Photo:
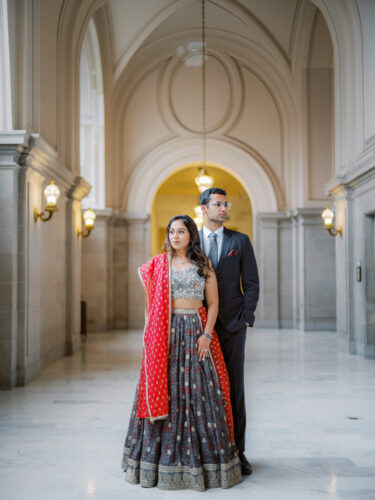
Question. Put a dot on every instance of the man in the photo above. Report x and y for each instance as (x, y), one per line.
(233, 258)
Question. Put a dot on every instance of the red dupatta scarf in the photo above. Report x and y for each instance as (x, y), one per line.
(153, 385)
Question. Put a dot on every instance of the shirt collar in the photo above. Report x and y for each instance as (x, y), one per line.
(207, 232)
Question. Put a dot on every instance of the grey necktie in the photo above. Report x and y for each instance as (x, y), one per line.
(213, 253)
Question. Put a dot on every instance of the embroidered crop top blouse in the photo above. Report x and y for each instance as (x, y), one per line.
(187, 284)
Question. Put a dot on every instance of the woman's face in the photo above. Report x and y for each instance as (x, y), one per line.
(179, 236)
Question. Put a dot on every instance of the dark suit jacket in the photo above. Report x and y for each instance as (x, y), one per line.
(236, 308)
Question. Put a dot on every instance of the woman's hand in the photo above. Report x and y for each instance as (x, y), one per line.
(203, 347)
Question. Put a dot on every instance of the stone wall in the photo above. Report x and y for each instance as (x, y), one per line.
(296, 260)
(355, 213)
(40, 261)
(111, 256)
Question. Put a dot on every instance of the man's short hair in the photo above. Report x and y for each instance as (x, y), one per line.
(205, 196)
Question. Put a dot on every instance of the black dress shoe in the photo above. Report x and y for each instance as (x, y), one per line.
(245, 465)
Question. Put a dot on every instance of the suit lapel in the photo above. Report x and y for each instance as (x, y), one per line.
(227, 238)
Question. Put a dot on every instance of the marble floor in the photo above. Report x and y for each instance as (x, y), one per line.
(311, 423)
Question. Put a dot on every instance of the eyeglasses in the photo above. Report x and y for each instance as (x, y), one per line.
(218, 204)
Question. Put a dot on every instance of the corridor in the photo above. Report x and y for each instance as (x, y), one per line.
(310, 411)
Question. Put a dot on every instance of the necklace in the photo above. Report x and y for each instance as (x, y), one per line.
(181, 262)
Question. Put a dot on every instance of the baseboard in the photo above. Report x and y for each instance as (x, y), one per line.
(266, 323)
(8, 380)
(319, 325)
(369, 351)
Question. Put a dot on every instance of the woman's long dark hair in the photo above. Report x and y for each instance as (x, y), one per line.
(194, 252)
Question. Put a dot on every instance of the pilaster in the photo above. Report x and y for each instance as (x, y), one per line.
(40, 262)
(355, 213)
(296, 263)
(315, 272)
(9, 276)
(5, 85)
(79, 190)
(138, 253)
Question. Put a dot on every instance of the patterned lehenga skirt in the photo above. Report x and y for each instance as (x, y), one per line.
(191, 448)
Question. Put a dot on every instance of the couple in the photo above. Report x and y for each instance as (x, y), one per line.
(187, 427)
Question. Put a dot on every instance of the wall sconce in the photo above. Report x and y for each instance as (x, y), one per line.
(328, 216)
(51, 194)
(89, 217)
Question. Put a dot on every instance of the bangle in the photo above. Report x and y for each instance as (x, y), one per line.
(207, 335)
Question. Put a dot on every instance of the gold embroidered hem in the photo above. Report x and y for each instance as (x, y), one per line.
(192, 448)
(179, 477)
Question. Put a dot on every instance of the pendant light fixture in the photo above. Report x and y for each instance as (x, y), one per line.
(203, 180)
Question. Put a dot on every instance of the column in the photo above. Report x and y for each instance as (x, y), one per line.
(105, 272)
(267, 254)
(5, 87)
(80, 189)
(138, 254)
(296, 261)
(355, 214)
(316, 272)
(120, 272)
(9, 198)
(97, 272)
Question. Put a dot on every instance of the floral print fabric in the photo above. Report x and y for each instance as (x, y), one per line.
(153, 385)
(187, 283)
(192, 447)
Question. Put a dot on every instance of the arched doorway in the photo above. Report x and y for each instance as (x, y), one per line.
(170, 159)
(179, 194)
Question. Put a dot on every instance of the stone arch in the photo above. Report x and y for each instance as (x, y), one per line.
(253, 173)
(343, 21)
(344, 24)
(73, 21)
(92, 164)
(276, 79)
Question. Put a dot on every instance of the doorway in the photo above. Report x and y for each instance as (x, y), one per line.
(178, 194)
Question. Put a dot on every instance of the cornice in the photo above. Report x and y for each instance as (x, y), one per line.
(306, 212)
(133, 217)
(273, 216)
(41, 157)
(276, 220)
(12, 137)
(11, 147)
(80, 189)
(356, 178)
(113, 217)
(30, 151)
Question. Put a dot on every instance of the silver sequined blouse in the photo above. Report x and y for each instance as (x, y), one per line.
(187, 284)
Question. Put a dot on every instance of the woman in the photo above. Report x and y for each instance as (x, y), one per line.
(181, 428)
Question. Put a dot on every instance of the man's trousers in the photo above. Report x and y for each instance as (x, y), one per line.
(233, 347)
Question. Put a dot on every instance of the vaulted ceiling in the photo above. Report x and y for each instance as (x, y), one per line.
(144, 22)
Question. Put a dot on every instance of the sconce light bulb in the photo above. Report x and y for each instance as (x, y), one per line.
(51, 194)
(89, 217)
(328, 216)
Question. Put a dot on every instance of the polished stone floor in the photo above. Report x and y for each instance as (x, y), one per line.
(311, 423)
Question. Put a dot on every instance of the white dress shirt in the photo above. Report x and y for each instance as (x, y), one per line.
(207, 240)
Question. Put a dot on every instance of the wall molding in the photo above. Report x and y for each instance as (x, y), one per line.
(175, 154)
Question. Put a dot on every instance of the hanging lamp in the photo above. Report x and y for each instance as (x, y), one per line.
(203, 180)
